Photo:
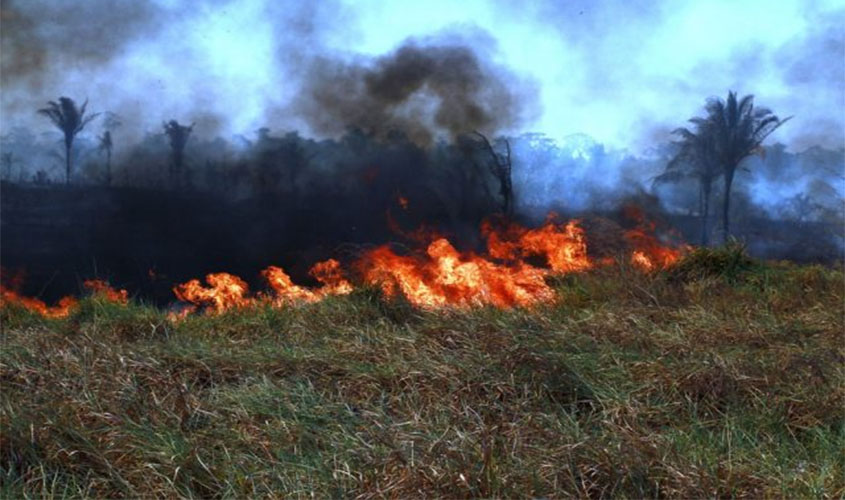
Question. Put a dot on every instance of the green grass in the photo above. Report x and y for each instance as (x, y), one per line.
(705, 382)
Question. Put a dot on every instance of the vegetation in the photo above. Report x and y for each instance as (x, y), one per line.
(694, 161)
(70, 119)
(724, 379)
(178, 136)
(732, 131)
(106, 146)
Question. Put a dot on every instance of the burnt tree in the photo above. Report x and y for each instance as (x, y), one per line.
(501, 168)
(178, 136)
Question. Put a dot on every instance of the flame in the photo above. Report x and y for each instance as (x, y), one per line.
(445, 277)
(225, 291)
(60, 310)
(642, 261)
(403, 202)
(65, 305)
(649, 253)
(286, 291)
(102, 288)
(564, 247)
(330, 274)
(511, 271)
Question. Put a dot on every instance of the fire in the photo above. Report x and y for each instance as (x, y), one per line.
(102, 288)
(564, 247)
(330, 275)
(642, 261)
(510, 271)
(286, 292)
(65, 305)
(225, 291)
(649, 253)
(60, 310)
(403, 202)
(445, 277)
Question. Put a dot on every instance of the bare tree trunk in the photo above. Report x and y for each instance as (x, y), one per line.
(67, 161)
(108, 167)
(705, 213)
(176, 170)
(729, 178)
(501, 168)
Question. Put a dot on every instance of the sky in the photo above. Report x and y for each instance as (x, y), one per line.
(621, 71)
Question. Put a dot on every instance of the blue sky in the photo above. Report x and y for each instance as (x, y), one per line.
(623, 72)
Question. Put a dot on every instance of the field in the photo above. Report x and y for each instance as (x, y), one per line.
(720, 377)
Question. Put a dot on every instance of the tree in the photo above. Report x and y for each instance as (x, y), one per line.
(501, 167)
(106, 145)
(8, 159)
(695, 160)
(111, 121)
(178, 136)
(70, 119)
(732, 131)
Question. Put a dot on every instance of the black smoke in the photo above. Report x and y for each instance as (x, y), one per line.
(424, 89)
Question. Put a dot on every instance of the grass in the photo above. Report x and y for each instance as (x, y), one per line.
(692, 383)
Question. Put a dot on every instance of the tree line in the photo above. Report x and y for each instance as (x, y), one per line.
(713, 148)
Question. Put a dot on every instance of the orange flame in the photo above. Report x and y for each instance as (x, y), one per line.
(649, 253)
(330, 275)
(225, 291)
(445, 277)
(102, 288)
(507, 274)
(60, 310)
(65, 305)
(564, 248)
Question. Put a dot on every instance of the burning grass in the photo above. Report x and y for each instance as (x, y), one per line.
(511, 271)
(625, 383)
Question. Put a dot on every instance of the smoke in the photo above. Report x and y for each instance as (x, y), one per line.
(47, 46)
(220, 63)
(622, 72)
(41, 39)
(235, 66)
(423, 89)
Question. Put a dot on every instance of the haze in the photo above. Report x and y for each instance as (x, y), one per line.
(625, 73)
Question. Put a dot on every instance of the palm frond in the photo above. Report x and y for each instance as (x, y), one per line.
(746, 105)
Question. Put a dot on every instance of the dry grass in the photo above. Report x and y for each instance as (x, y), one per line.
(692, 384)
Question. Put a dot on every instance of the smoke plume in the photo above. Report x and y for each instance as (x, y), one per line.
(423, 90)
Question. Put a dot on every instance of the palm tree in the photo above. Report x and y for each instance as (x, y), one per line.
(734, 131)
(111, 122)
(70, 119)
(695, 160)
(178, 135)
